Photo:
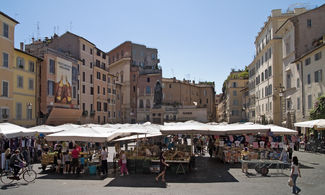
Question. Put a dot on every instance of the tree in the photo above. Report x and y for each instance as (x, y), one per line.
(318, 112)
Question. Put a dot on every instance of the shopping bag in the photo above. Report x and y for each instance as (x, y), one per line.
(290, 182)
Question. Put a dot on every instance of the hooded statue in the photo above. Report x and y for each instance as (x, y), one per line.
(158, 95)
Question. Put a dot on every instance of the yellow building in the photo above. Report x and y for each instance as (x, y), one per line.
(7, 31)
(25, 88)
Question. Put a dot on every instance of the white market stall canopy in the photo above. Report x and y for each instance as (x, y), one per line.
(317, 124)
(134, 137)
(277, 130)
(237, 129)
(8, 130)
(46, 129)
(85, 134)
(188, 127)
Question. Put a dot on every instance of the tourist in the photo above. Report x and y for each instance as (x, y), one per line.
(295, 172)
(123, 163)
(59, 161)
(163, 166)
(290, 152)
(75, 159)
(82, 163)
(245, 156)
(103, 157)
(67, 160)
(7, 157)
(284, 156)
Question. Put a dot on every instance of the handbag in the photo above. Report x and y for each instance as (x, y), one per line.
(290, 182)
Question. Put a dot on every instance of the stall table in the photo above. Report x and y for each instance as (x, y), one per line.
(180, 164)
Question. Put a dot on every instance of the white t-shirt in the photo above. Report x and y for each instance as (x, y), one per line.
(295, 167)
(123, 159)
(104, 155)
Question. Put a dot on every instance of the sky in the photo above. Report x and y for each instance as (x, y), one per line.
(199, 40)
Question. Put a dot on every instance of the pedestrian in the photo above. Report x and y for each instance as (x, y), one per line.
(7, 157)
(124, 169)
(295, 172)
(59, 161)
(163, 166)
(244, 157)
(103, 157)
(289, 152)
(75, 159)
(15, 163)
(82, 163)
(67, 160)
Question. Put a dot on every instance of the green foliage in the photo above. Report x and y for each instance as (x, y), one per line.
(318, 112)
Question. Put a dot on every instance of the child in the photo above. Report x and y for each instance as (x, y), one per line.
(82, 163)
(67, 160)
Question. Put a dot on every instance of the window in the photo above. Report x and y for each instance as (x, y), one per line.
(98, 90)
(91, 107)
(20, 62)
(109, 114)
(74, 92)
(83, 76)
(298, 83)
(148, 90)
(104, 77)
(29, 113)
(148, 80)
(104, 119)
(308, 79)
(50, 88)
(307, 61)
(318, 56)
(98, 119)
(234, 93)
(91, 51)
(318, 76)
(83, 62)
(74, 74)
(234, 84)
(5, 89)
(114, 91)
(105, 107)
(109, 100)
(91, 91)
(98, 52)
(141, 104)
(108, 79)
(83, 89)
(170, 85)
(91, 78)
(148, 103)
(108, 90)
(235, 102)
(52, 66)
(298, 103)
(83, 106)
(153, 56)
(5, 58)
(31, 84)
(20, 82)
(5, 32)
(266, 74)
(289, 104)
(122, 53)
(83, 47)
(99, 106)
(91, 65)
(104, 92)
(309, 23)
(262, 76)
(4, 113)
(98, 75)
(288, 81)
(309, 101)
(133, 88)
(18, 111)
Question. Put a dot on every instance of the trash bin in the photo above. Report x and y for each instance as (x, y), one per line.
(92, 169)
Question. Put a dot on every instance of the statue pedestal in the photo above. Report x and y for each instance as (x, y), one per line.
(157, 114)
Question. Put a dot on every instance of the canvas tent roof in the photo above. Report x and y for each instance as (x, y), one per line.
(46, 129)
(9, 130)
(319, 123)
(277, 130)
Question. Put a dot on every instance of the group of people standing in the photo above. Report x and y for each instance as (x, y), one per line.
(67, 161)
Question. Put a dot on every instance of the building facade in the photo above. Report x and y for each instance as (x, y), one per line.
(25, 91)
(7, 32)
(301, 36)
(235, 85)
(266, 71)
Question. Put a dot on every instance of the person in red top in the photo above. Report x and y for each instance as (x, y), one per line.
(75, 159)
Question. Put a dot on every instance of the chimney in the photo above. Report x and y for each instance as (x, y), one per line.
(276, 12)
(300, 10)
(22, 46)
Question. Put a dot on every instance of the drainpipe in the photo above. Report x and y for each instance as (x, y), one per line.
(302, 89)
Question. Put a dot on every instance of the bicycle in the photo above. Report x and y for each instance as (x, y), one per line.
(26, 172)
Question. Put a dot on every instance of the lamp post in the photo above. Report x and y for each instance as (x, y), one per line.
(281, 94)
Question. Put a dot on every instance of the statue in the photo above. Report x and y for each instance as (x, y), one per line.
(158, 95)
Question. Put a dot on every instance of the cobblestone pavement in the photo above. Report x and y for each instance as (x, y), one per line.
(209, 177)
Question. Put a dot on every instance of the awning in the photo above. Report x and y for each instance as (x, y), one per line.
(277, 130)
(317, 124)
(60, 116)
(8, 130)
(45, 129)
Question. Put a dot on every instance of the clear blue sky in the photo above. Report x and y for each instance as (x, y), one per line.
(196, 39)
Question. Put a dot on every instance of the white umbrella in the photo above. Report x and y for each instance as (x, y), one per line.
(9, 130)
(277, 130)
(312, 123)
(237, 129)
(45, 129)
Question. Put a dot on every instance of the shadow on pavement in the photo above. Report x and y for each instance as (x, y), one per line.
(72, 177)
(206, 170)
